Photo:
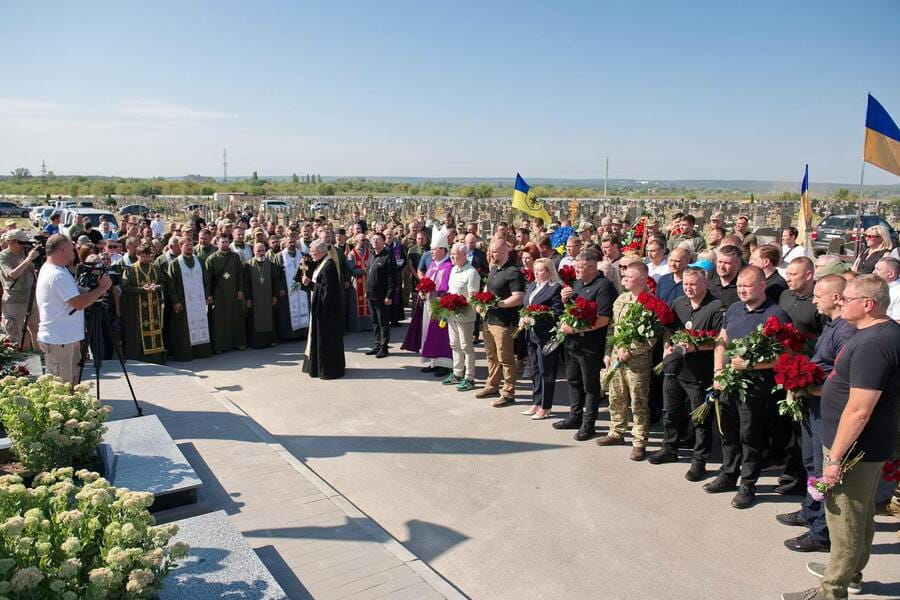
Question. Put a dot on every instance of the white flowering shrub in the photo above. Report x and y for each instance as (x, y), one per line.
(80, 538)
(51, 424)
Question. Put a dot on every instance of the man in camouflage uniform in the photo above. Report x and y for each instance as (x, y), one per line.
(630, 384)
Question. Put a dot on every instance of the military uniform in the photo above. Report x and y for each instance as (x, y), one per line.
(630, 384)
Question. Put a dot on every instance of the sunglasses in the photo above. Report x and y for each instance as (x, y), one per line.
(848, 300)
(870, 236)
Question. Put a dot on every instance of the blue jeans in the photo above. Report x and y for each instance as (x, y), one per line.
(812, 511)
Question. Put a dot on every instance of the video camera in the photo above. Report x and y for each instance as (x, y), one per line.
(39, 243)
(88, 274)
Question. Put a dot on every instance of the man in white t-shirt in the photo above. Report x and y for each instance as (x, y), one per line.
(61, 306)
(888, 268)
(790, 249)
(157, 226)
(657, 259)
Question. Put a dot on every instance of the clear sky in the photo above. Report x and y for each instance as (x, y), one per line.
(668, 90)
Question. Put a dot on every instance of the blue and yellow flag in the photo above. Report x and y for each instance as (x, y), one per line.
(526, 202)
(803, 219)
(882, 147)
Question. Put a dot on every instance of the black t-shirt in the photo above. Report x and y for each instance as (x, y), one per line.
(726, 293)
(870, 360)
(775, 285)
(803, 313)
(502, 282)
(698, 365)
(603, 292)
(94, 235)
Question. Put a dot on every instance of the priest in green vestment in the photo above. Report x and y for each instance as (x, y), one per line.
(226, 283)
(142, 309)
(188, 295)
(261, 282)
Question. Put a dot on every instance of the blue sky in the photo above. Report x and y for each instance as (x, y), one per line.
(668, 90)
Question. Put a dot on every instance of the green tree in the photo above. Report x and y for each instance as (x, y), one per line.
(207, 191)
(20, 173)
(254, 178)
(789, 197)
(295, 179)
(842, 194)
(326, 189)
(73, 190)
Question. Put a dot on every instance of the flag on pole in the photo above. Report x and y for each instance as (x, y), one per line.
(803, 219)
(526, 202)
(882, 146)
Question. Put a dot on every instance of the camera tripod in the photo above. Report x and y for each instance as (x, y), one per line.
(97, 325)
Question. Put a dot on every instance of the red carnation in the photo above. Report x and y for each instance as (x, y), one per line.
(425, 286)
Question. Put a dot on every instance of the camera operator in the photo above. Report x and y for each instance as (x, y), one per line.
(61, 305)
(17, 276)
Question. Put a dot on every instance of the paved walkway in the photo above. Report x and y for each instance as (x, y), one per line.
(508, 508)
(315, 542)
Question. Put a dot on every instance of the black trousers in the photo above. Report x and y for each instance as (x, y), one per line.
(583, 375)
(744, 426)
(679, 399)
(543, 373)
(381, 323)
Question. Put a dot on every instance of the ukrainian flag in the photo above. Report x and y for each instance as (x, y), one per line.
(803, 219)
(526, 202)
(882, 146)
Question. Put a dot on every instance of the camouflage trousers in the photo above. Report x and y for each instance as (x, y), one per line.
(630, 389)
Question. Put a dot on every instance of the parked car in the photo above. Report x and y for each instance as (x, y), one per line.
(844, 227)
(193, 207)
(71, 216)
(319, 206)
(35, 215)
(273, 205)
(11, 209)
(134, 209)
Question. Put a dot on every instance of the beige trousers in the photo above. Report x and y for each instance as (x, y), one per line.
(62, 360)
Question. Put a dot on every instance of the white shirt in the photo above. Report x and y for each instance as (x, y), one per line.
(537, 289)
(157, 227)
(566, 261)
(657, 271)
(55, 287)
(464, 281)
(789, 254)
(893, 311)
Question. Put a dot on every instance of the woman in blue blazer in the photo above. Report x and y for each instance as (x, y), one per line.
(545, 289)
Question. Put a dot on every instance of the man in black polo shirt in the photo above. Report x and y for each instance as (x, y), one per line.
(744, 422)
(785, 432)
(507, 283)
(859, 416)
(767, 258)
(585, 348)
(724, 283)
(689, 373)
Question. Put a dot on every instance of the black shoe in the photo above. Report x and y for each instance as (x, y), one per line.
(441, 372)
(373, 351)
(722, 483)
(792, 519)
(806, 543)
(662, 456)
(567, 424)
(744, 497)
(427, 369)
(696, 472)
(584, 434)
(791, 488)
(382, 353)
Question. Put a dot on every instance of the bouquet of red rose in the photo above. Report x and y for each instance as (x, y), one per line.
(643, 320)
(446, 306)
(787, 335)
(692, 338)
(528, 274)
(567, 275)
(9, 353)
(482, 301)
(797, 375)
(757, 347)
(528, 315)
(580, 314)
(425, 287)
(890, 472)
(818, 487)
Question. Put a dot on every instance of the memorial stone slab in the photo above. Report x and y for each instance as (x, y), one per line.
(220, 564)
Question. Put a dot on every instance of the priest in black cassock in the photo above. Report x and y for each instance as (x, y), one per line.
(262, 285)
(325, 343)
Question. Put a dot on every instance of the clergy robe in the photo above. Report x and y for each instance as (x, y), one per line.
(435, 339)
(261, 285)
(359, 318)
(188, 285)
(226, 279)
(292, 314)
(325, 343)
(142, 314)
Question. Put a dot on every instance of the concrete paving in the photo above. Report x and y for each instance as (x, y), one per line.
(505, 507)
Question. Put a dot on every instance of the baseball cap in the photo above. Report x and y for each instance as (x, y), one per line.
(585, 226)
(16, 234)
(703, 263)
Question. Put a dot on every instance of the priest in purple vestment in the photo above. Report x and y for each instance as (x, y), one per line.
(436, 340)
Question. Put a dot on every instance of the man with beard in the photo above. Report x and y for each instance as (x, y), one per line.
(188, 294)
(142, 310)
(325, 343)
(240, 247)
(226, 282)
(262, 284)
(293, 301)
(205, 248)
(436, 340)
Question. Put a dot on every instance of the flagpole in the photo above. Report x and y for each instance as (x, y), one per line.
(859, 208)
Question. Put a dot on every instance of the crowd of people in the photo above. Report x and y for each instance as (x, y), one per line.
(191, 289)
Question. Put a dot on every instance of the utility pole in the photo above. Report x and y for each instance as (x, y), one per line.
(224, 165)
(43, 172)
(606, 178)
